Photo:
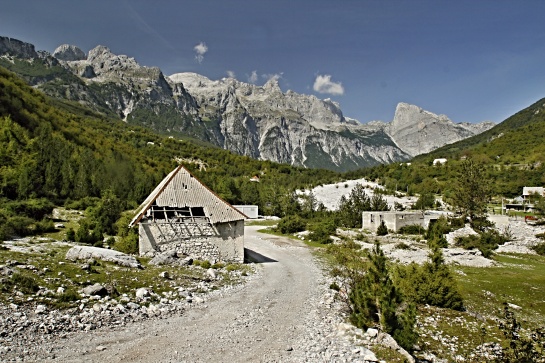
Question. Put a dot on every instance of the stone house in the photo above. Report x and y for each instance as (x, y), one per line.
(183, 215)
(394, 220)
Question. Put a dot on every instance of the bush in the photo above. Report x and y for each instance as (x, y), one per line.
(321, 232)
(412, 229)
(402, 246)
(382, 230)
(44, 226)
(23, 283)
(70, 235)
(539, 249)
(68, 296)
(520, 347)
(291, 224)
(485, 242)
(128, 244)
(432, 283)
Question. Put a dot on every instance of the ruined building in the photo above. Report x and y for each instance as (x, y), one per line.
(183, 215)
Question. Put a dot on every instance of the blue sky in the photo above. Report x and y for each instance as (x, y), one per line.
(472, 60)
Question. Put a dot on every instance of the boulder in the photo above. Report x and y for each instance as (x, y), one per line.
(96, 289)
(97, 253)
(164, 258)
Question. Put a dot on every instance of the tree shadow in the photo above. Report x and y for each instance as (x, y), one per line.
(255, 257)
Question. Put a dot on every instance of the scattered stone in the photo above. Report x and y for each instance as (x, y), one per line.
(142, 293)
(165, 275)
(211, 273)
(164, 258)
(96, 289)
(101, 348)
(40, 309)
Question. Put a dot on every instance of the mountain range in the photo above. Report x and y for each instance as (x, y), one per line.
(261, 122)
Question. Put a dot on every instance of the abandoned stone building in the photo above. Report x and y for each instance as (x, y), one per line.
(183, 215)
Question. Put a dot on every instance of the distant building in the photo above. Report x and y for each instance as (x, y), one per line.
(440, 161)
(528, 191)
(184, 216)
(395, 220)
(251, 211)
(255, 178)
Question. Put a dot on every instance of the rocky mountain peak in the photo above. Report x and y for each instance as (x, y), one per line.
(67, 52)
(17, 48)
(272, 85)
(417, 131)
(99, 52)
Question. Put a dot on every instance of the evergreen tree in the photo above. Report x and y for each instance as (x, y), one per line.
(375, 300)
(472, 190)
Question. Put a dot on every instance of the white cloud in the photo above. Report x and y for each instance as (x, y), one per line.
(201, 50)
(253, 77)
(324, 84)
(231, 74)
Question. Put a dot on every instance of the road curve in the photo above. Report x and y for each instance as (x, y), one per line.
(261, 322)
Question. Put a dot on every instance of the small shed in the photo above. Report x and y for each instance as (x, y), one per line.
(183, 215)
(251, 211)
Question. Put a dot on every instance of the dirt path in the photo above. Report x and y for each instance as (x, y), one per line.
(263, 321)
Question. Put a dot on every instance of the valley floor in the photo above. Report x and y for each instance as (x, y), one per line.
(286, 313)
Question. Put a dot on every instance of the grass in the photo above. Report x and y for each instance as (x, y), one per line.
(261, 222)
(519, 280)
(454, 335)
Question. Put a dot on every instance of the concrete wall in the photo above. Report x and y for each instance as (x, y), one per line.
(393, 220)
(221, 242)
(251, 211)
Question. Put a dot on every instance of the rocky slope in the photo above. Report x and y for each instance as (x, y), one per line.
(417, 131)
(258, 121)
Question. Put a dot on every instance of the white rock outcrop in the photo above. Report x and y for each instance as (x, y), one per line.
(87, 252)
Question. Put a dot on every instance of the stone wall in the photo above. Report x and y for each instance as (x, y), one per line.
(203, 241)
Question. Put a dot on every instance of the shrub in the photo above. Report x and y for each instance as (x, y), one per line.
(402, 246)
(432, 283)
(485, 242)
(291, 224)
(457, 223)
(382, 230)
(70, 235)
(44, 226)
(539, 249)
(68, 296)
(520, 348)
(205, 264)
(321, 232)
(25, 284)
(128, 244)
(412, 229)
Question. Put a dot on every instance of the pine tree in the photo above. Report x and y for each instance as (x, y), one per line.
(376, 301)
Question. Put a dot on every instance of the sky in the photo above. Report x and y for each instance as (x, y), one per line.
(472, 60)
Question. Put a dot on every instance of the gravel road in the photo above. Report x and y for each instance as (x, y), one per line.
(272, 318)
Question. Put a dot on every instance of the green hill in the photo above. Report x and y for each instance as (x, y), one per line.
(513, 153)
(57, 152)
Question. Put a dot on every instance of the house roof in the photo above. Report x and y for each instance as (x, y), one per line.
(181, 189)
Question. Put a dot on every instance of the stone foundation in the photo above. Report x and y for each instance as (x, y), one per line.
(199, 240)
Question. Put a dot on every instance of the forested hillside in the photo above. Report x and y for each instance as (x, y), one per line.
(54, 153)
